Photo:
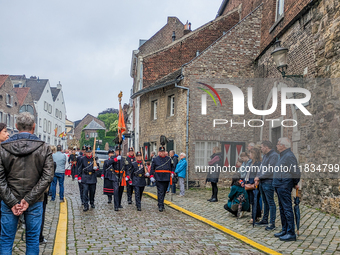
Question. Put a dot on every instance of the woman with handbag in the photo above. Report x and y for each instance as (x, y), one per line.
(255, 156)
(238, 195)
(216, 160)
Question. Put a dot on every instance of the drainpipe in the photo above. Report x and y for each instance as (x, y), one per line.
(187, 130)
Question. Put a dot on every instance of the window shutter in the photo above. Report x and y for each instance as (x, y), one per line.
(6, 98)
(11, 100)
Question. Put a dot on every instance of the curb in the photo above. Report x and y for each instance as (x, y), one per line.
(217, 226)
(61, 234)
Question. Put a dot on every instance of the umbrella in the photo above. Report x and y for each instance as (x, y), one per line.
(256, 193)
(297, 210)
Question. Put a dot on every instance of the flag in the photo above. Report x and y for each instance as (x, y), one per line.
(61, 134)
(121, 123)
(55, 131)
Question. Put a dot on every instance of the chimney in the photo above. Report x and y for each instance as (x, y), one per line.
(59, 85)
(197, 53)
(173, 36)
(187, 28)
(33, 77)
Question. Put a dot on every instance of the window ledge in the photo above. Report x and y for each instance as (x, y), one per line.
(276, 23)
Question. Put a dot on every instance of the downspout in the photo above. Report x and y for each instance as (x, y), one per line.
(187, 129)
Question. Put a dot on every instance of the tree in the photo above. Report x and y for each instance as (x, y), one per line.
(114, 127)
(108, 118)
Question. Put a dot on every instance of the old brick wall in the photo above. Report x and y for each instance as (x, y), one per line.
(172, 57)
(229, 58)
(313, 43)
(173, 127)
(163, 37)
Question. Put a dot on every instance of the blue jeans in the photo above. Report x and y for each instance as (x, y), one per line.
(58, 177)
(286, 210)
(9, 223)
(267, 194)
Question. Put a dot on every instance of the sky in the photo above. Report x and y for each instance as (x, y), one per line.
(86, 45)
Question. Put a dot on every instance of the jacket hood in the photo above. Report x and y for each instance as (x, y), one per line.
(22, 144)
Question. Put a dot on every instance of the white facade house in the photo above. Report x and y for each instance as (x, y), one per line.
(51, 111)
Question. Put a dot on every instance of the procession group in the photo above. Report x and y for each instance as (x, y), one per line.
(121, 171)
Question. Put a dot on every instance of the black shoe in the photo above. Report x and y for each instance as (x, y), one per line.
(288, 237)
(116, 209)
(93, 206)
(109, 202)
(52, 200)
(85, 209)
(139, 209)
(62, 200)
(270, 227)
(129, 202)
(160, 209)
(261, 223)
(282, 233)
(209, 199)
(120, 206)
(214, 200)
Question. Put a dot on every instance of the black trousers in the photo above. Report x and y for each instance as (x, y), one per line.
(214, 190)
(162, 186)
(138, 195)
(117, 194)
(89, 191)
(129, 191)
(41, 237)
(81, 192)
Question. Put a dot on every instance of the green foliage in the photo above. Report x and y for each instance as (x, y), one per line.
(114, 127)
(108, 119)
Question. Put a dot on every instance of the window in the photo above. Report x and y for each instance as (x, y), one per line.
(45, 126)
(44, 138)
(40, 122)
(9, 120)
(154, 110)
(279, 9)
(26, 108)
(49, 108)
(0, 116)
(203, 151)
(153, 147)
(49, 140)
(40, 136)
(93, 134)
(55, 142)
(45, 106)
(49, 127)
(171, 105)
(56, 113)
(9, 100)
(60, 115)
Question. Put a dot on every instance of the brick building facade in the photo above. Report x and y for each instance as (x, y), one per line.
(239, 53)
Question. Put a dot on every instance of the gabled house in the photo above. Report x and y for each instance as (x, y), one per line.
(9, 106)
(51, 111)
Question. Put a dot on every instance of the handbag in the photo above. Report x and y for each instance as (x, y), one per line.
(249, 186)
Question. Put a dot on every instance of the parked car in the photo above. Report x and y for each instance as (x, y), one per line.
(102, 156)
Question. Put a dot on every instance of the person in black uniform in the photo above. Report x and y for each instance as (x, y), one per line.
(162, 172)
(118, 178)
(108, 178)
(130, 159)
(87, 176)
(138, 181)
(73, 161)
(81, 154)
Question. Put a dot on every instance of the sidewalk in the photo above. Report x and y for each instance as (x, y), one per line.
(319, 232)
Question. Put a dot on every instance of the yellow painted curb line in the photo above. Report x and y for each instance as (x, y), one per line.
(61, 234)
(219, 227)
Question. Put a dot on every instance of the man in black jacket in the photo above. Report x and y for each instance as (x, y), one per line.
(26, 171)
(265, 179)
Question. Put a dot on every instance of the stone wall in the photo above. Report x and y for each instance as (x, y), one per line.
(173, 127)
(313, 43)
(229, 58)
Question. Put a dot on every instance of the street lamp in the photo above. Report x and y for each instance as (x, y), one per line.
(280, 58)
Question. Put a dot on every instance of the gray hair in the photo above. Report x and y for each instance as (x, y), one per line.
(25, 121)
(251, 144)
(285, 142)
(183, 154)
(153, 152)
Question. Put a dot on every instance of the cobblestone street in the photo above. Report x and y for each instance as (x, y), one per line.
(104, 231)
(319, 232)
